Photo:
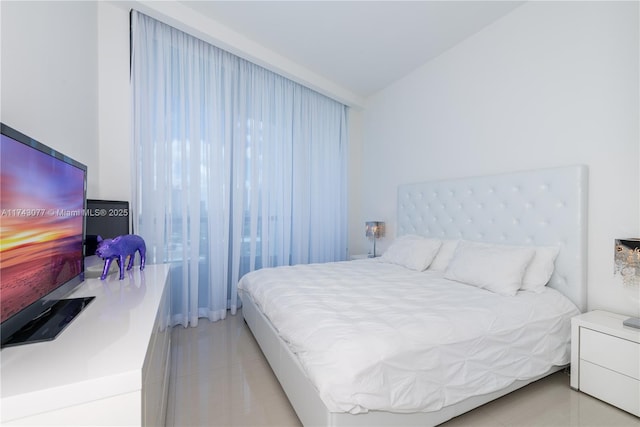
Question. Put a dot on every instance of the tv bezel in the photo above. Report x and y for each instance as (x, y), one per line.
(40, 306)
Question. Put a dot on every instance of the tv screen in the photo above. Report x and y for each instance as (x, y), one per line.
(107, 219)
(42, 202)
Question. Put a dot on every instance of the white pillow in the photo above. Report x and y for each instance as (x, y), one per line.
(410, 251)
(444, 255)
(540, 268)
(497, 268)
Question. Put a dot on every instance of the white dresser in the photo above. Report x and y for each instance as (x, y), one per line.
(110, 366)
(605, 359)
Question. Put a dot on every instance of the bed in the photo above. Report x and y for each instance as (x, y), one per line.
(433, 328)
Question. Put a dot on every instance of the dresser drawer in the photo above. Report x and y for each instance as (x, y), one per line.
(610, 352)
(617, 389)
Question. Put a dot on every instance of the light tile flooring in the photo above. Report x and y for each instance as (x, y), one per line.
(219, 377)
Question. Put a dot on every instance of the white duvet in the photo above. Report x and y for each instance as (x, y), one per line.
(377, 336)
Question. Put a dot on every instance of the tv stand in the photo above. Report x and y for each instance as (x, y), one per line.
(110, 366)
(50, 322)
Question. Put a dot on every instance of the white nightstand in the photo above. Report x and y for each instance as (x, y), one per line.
(605, 359)
(359, 256)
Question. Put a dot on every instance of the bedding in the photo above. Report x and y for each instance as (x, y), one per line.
(411, 251)
(376, 336)
(444, 255)
(498, 268)
(540, 269)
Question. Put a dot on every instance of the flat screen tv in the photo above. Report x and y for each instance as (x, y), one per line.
(42, 203)
(107, 219)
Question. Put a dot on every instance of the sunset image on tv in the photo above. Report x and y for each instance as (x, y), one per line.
(41, 224)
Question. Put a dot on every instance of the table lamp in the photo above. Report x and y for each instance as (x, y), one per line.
(374, 230)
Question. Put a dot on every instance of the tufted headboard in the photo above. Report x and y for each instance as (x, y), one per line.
(539, 207)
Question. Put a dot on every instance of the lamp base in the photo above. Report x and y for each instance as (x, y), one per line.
(632, 322)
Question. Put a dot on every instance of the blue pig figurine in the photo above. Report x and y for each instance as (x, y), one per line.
(119, 248)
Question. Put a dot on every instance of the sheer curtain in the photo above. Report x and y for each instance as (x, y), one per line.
(236, 168)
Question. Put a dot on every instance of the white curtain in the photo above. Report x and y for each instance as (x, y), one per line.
(235, 168)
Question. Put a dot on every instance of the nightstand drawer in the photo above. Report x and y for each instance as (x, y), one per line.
(610, 352)
(617, 389)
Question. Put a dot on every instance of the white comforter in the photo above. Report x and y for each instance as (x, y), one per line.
(377, 336)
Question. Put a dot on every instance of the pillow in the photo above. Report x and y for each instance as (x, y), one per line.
(497, 268)
(413, 252)
(444, 255)
(539, 271)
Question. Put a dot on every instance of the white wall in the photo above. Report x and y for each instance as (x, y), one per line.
(114, 104)
(551, 84)
(49, 77)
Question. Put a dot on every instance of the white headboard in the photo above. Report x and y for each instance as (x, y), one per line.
(539, 207)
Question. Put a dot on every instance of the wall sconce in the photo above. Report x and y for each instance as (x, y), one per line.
(627, 264)
(374, 230)
(627, 261)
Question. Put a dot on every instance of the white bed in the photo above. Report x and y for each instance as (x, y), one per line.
(434, 368)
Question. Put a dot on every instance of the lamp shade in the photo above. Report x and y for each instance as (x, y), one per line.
(627, 260)
(627, 264)
(374, 229)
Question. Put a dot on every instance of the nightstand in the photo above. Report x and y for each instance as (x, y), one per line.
(605, 359)
(358, 256)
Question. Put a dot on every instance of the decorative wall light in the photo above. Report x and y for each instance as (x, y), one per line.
(627, 261)
(374, 230)
(627, 265)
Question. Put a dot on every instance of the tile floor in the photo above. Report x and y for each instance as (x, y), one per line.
(219, 377)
